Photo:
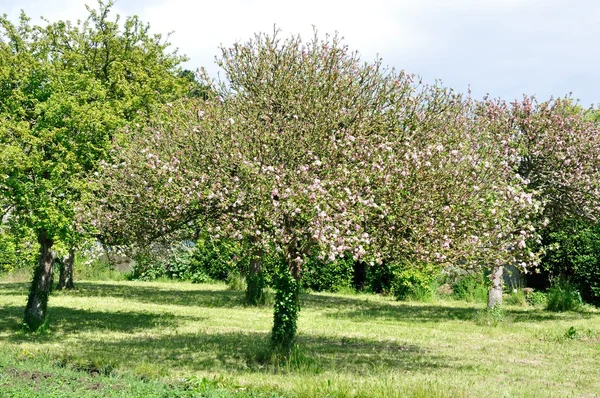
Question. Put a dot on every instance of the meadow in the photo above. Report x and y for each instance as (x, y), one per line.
(124, 338)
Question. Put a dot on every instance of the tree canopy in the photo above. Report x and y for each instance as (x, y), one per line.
(65, 91)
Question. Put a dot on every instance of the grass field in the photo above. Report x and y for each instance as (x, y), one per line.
(178, 339)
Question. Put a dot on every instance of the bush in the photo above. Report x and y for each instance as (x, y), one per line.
(236, 282)
(216, 259)
(98, 269)
(173, 262)
(179, 263)
(148, 266)
(574, 254)
(536, 299)
(8, 253)
(517, 297)
(379, 277)
(417, 282)
(471, 288)
(331, 276)
(198, 262)
(563, 296)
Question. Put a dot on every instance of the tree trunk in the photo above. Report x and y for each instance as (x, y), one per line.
(287, 298)
(287, 307)
(255, 280)
(37, 303)
(66, 272)
(495, 292)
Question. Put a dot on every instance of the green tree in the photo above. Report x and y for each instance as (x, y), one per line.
(66, 90)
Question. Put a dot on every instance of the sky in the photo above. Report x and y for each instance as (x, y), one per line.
(501, 48)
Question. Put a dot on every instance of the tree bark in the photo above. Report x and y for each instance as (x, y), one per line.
(255, 282)
(495, 292)
(37, 303)
(65, 280)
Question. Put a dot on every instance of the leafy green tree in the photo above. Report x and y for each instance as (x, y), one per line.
(65, 91)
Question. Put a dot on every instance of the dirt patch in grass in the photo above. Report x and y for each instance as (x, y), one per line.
(34, 376)
(95, 386)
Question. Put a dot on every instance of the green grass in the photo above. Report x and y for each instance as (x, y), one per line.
(178, 339)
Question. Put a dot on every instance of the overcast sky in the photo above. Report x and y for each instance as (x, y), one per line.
(505, 48)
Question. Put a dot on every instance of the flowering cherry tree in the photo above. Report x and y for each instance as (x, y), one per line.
(273, 159)
(306, 149)
(558, 146)
(555, 148)
(445, 192)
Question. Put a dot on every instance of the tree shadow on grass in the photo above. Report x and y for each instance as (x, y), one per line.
(358, 308)
(237, 352)
(248, 353)
(163, 347)
(539, 315)
(14, 288)
(368, 311)
(140, 293)
(68, 321)
(365, 310)
(158, 295)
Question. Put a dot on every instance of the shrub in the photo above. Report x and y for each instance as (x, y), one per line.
(8, 253)
(379, 277)
(471, 288)
(536, 299)
(417, 282)
(236, 282)
(200, 277)
(148, 266)
(199, 262)
(159, 261)
(218, 258)
(323, 275)
(179, 263)
(574, 253)
(563, 296)
(97, 269)
(517, 297)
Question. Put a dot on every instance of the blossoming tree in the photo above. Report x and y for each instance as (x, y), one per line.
(555, 146)
(273, 158)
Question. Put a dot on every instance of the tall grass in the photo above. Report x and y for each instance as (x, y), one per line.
(563, 296)
(472, 289)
